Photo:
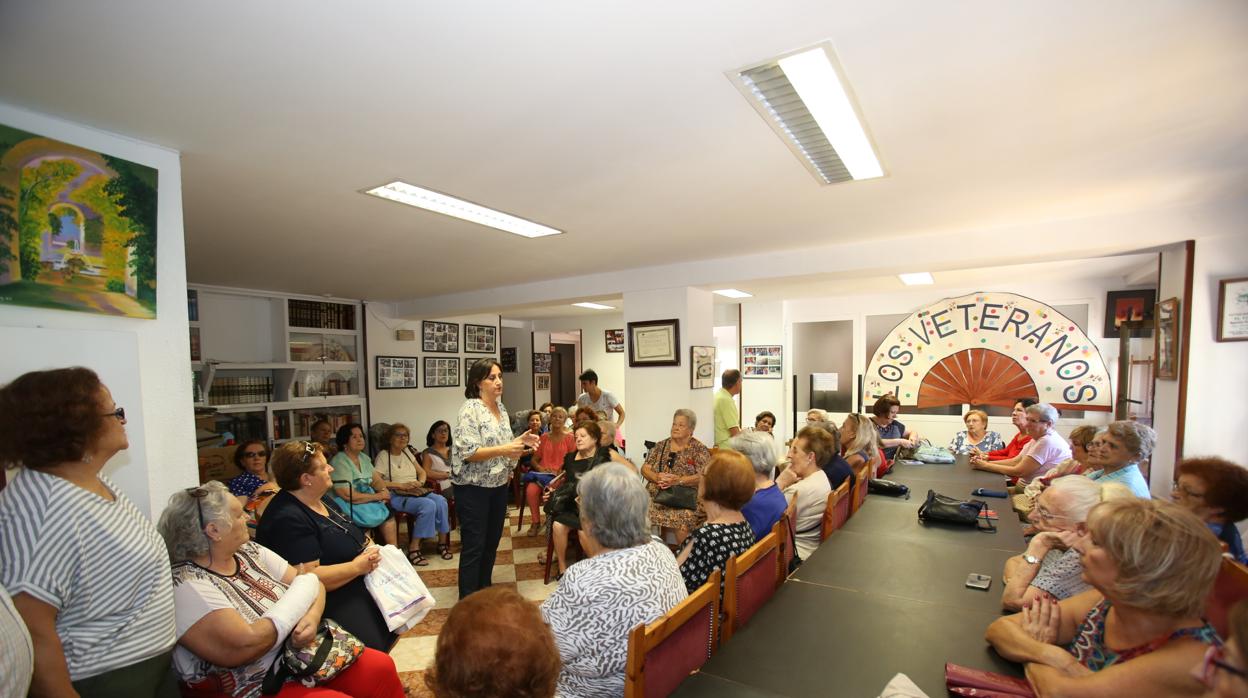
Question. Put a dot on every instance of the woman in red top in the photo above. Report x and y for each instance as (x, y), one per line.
(1015, 446)
(547, 462)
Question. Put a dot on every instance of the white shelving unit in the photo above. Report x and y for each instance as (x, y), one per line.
(272, 364)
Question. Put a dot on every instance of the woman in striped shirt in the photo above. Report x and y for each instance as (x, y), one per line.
(88, 572)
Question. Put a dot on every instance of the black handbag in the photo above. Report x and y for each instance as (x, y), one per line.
(677, 496)
(888, 488)
(944, 509)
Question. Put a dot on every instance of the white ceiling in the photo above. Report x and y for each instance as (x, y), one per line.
(615, 121)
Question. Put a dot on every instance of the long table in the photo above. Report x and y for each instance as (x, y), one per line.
(884, 594)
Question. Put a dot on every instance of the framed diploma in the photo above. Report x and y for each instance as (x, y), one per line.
(654, 343)
(1233, 310)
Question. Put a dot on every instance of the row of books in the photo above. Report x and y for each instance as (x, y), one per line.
(242, 390)
(321, 315)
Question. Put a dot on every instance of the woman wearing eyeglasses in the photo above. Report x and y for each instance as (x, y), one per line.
(254, 486)
(88, 572)
(405, 479)
(1216, 491)
(237, 603)
(1224, 670)
(306, 528)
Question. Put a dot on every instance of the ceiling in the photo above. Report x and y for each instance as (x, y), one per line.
(615, 122)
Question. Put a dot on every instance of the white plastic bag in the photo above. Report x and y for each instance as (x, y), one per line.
(403, 598)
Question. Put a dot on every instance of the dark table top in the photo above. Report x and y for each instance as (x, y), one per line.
(891, 518)
(706, 685)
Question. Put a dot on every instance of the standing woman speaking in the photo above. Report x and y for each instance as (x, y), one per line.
(481, 463)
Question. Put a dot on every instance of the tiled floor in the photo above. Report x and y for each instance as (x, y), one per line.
(516, 566)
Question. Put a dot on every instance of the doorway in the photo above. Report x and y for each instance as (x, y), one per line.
(565, 355)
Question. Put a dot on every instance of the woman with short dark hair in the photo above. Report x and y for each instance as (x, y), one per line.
(893, 434)
(561, 492)
(359, 489)
(1216, 491)
(402, 475)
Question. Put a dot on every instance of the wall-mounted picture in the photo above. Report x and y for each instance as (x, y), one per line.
(396, 372)
(480, 339)
(541, 381)
(654, 343)
(507, 359)
(442, 337)
(615, 341)
(1121, 306)
(1166, 344)
(701, 367)
(541, 363)
(1232, 310)
(441, 372)
(77, 228)
(762, 361)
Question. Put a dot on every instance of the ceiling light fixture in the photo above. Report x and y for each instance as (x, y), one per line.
(918, 278)
(594, 306)
(430, 200)
(732, 293)
(805, 100)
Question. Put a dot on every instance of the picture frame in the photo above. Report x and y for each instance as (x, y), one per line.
(396, 372)
(701, 367)
(541, 362)
(439, 337)
(1233, 310)
(1166, 340)
(654, 343)
(762, 361)
(480, 339)
(442, 371)
(1129, 305)
(541, 381)
(507, 359)
(614, 340)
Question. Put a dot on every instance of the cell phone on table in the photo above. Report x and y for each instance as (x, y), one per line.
(975, 580)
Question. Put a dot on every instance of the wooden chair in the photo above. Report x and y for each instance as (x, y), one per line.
(663, 653)
(836, 513)
(861, 477)
(1229, 588)
(788, 544)
(749, 582)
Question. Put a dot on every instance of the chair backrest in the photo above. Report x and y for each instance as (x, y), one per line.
(663, 653)
(785, 531)
(750, 582)
(861, 477)
(882, 468)
(1229, 588)
(836, 512)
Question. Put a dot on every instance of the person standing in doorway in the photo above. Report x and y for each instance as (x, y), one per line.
(599, 400)
(727, 418)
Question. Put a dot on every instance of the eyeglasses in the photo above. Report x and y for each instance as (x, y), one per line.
(119, 413)
(402, 435)
(1181, 491)
(1215, 658)
(199, 493)
(254, 454)
(1048, 515)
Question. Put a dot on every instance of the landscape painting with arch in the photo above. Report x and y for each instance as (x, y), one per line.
(77, 228)
(989, 348)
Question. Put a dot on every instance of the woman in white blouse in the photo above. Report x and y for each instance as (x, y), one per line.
(407, 481)
(481, 463)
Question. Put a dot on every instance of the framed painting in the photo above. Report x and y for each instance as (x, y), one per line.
(440, 337)
(541, 381)
(396, 372)
(1122, 306)
(701, 367)
(541, 362)
(654, 343)
(507, 359)
(1233, 310)
(480, 339)
(441, 372)
(614, 341)
(762, 361)
(77, 228)
(1166, 341)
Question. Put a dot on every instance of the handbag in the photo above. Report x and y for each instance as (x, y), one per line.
(888, 488)
(367, 514)
(944, 509)
(677, 496)
(928, 453)
(333, 650)
(965, 681)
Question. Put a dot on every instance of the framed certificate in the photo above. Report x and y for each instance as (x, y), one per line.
(1233, 310)
(654, 343)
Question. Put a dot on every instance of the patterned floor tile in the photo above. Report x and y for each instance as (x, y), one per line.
(431, 625)
(534, 590)
(414, 653)
(439, 578)
(531, 570)
(414, 684)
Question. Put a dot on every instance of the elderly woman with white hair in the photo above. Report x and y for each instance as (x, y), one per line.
(767, 505)
(1046, 449)
(629, 578)
(677, 461)
(1050, 567)
(1119, 451)
(236, 603)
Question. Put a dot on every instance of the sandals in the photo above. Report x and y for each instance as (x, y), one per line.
(534, 530)
(444, 549)
(416, 557)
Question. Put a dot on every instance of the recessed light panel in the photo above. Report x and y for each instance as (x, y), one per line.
(732, 293)
(918, 278)
(437, 202)
(594, 306)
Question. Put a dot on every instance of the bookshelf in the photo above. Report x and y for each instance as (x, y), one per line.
(272, 364)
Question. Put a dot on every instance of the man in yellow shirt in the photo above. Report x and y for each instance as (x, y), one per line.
(727, 418)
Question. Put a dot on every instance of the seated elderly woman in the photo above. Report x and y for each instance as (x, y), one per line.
(401, 474)
(359, 490)
(1044, 452)
(860, 443)
(1050, 565)
(976, 435)
(561, 493)
(765, 421)
(236, 602)
(810, 487)
(477, 627)
(1139, 630)
(767, 504)
(1120, 448)
(629, 578)
(1216, 491)
(1081, 438)
(1224, 670)
(726, 486)
(677, 461)
(304, 527)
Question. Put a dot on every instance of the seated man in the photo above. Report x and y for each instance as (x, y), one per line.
(1050, 566)
(804, 482)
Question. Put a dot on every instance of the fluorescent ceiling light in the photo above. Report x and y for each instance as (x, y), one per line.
(918, 278)
(817, 83)
(732, 293)
(594, 306)
(430, 200)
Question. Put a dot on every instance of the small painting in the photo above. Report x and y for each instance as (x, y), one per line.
(1124, 306)
(1233, 310)
(480, 339)
(541, 363)
(507, 359)
(77, 228)
(541, 381)
(701, 367)
(442, 337)
(615, 341)
(441, 372)
(395, 372)
(764, 361)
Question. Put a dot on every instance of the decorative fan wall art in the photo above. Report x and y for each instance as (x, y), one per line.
(989, 349)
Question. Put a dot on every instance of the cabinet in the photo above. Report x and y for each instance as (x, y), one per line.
(271, 365)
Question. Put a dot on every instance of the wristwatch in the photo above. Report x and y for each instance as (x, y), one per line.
(1031, 559)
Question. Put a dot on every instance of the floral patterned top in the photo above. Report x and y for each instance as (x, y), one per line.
(476, 428)
(691, 460)
(712, 545)
(962, 442)
(1090, 649)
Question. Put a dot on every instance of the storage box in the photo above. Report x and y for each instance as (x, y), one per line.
(217, 464)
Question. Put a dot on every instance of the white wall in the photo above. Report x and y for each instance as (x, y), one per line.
(764, 323)
(609, 367)
(518, 386)
(161, 458)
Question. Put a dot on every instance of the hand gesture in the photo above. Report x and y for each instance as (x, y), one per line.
(1041, 620)
(1043, 542)
(1069, 539)
(368, 560)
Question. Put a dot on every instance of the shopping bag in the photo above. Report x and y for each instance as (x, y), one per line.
(403, 598)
